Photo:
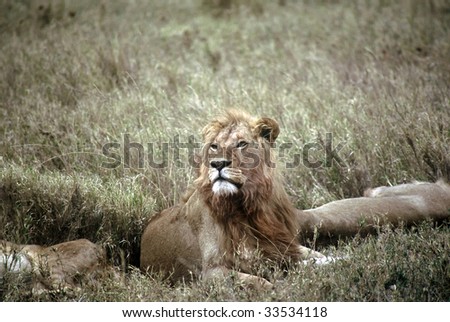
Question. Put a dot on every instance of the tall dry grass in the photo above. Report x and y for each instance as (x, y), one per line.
(76, 76)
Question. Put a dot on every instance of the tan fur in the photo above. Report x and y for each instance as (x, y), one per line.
(62, 266)
(406, 203)
(220, 225)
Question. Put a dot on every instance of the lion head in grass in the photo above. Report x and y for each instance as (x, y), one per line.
(240, 184)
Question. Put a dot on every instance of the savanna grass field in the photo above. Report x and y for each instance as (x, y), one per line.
(91, 93)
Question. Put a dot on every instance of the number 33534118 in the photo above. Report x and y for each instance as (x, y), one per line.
(289, 311)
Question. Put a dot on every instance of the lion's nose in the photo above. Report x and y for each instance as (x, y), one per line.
(220, 164)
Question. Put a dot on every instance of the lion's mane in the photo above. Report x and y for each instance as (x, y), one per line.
(260, 212)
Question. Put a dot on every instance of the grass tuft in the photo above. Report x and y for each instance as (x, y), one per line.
(369, 80)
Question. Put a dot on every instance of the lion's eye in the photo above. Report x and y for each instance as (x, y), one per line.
(241, 145)
(213, 147)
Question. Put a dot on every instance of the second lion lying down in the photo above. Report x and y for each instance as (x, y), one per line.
(238, 207)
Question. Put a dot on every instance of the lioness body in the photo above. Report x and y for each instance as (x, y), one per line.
(51, 268)
(238, 208)
(405, 203)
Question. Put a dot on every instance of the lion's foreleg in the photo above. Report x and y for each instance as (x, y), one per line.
(310, 256)
(307, 253)
(220, 272)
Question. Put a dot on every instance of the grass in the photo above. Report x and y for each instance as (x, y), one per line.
(78, 75)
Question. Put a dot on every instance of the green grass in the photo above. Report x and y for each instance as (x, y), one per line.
(75, 76)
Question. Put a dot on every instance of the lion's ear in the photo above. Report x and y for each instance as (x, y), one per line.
(268, 129)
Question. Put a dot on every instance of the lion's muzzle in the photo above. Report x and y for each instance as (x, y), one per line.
(224, 179)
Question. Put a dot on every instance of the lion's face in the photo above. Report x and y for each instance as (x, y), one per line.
(237, 155)
(227, 155)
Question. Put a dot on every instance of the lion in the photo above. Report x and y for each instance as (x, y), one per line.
(237, 211)
(63, 266)
(405, 204)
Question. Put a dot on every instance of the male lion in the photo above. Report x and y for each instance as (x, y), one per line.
(238, 211)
